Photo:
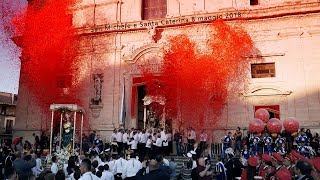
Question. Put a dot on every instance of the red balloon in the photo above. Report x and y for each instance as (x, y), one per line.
(291, 125)
(274, 125)
(262, 114)
(256, 125)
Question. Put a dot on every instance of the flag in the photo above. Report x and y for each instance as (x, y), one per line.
(123, 105)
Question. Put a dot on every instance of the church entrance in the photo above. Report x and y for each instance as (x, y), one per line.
(150, 110)
(141, 94)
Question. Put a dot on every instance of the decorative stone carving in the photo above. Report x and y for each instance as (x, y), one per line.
(96, 101)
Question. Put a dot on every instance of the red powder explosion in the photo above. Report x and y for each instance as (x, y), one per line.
(48, 51)
(196, 84)
(49, 66)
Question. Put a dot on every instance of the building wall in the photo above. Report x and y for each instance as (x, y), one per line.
(287, 33)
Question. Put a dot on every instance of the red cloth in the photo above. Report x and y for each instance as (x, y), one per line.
(283, 174)
(316, 163)
(253, 161)
(264, 172)
(266, 157)
(16, 141)
(278, 157)
(244, 174)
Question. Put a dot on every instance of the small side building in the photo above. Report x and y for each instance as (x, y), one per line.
(8, 102)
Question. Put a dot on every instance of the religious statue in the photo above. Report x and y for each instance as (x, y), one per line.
(67, 134)
(97, 85)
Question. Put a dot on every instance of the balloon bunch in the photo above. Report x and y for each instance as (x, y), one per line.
(273, 125)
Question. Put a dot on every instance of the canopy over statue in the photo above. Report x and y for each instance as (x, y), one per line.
(67, 129)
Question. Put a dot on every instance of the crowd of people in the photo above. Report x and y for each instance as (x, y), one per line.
(142, 154)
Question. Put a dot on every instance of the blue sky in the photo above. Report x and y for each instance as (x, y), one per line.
(9, 53)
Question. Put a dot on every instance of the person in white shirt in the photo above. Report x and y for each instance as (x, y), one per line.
(154, 137)
(169, 139)
(38, 168)
(113, 136)
(148, 133)
(142, 143)
(125, 137)
(119, 140)
(134, 145)
(131, 132)
(163, 135)
(54, 166)
(119, 167)
(132, 167)
(165, 147)
(85, 168)
(136, 136)
(106, 174)
(148, 146)
(203, 140)
(158, 145)
(96, 158)
(111, 164)
(191, 139)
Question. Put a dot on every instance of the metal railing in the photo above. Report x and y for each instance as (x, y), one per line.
(216, 149)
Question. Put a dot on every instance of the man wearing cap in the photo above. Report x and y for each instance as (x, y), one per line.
(296, 155)
(280, 170)
(266, 166)
(290, 163)
(282, 175)
(251, 171)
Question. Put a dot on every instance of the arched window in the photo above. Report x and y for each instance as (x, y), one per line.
(153, 9)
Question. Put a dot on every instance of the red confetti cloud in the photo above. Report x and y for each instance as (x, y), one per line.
(196, 84)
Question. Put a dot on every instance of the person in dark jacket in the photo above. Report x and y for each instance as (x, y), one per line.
(24, 165)
(154, 172)
(234, 167)
(303, 170)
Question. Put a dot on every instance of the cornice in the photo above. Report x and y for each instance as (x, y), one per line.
(247, 14)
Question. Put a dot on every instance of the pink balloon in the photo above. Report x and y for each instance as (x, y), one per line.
(291, 125)
(262, 114)
(274, 125)
(256, 125)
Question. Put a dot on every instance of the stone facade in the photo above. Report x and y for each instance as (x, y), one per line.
(115, 42)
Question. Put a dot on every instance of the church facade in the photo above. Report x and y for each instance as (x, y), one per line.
(117, 38)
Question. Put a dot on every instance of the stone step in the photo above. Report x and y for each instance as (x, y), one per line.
(180, 161)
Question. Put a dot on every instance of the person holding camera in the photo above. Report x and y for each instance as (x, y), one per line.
(203, 170)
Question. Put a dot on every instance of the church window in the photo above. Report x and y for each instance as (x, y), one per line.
(263, 70)
(154, 9)
(254, 2)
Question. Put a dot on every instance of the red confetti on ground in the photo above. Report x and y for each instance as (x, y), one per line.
(196, 84)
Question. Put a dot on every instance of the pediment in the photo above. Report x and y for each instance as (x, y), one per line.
(267, 91)
(138, 53)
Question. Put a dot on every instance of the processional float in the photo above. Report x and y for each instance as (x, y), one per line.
(147, 100)
(65, 109)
